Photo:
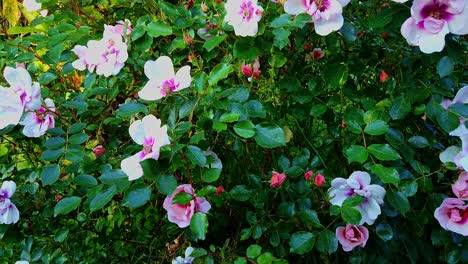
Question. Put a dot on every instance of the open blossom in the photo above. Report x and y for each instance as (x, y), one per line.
(32, 5)
(326, 14)
(460, 187)
(277, 179)
(244, 16)
(187, 259)
(453, 215)
(182, 214)
(9, 214)
(163, 80)
(431, 20)
(118, 29)
(352, 236)
(36, 123)
(107, 55)
(148, 133)
(358, 183)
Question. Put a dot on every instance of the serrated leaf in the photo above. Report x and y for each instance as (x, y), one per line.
(301, 242)
(326, 242)
(351, 215)
(219, 72)
(387, 175)
(356, 153)
(158, 28)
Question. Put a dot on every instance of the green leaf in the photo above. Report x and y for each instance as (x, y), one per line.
(245, 129)
(166, 184)
(336, 75)
(353, 201)
(213, 42)
(54, 143)
(182, 198)
(445, 66)
(269, 135)
(281, 21)
(50, 174)
(377, 127)
(199, 225)
(24, 57)
(281, 37)
(448, 120)
(196, 155)
(387, 175)
(379, 20)
(310, 217)
(102, 198)
(253, 251)
(399, 201)
(460, 109)
(245, 49)
(219, 72)
(130, 109)
(137, 196)
(66, 205)
(400, 108)
(158, 28)
(77, 127)
(52, 154)
(301, 242)
(46, 78)
(351, 215)
(211, 175)
(326, 242)
(356, 153)
(11, 11)
(384, 231)
(383, 152)
(318, 110)
(77, 139)
(240, 193)
(61, 235)
(418, 142)
(85, 180)
(229, 117)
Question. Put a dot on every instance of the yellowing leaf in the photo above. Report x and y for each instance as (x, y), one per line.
(11, 11)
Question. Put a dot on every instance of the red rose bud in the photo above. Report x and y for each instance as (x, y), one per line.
(307, 46)
(359, 34)
(384, 34)
(317, 54)
(246, 70)
(99, 150)
(343, 124)
(308, 175)
(188, 39)
(319, 180)
(58, 198)
(383, 76)
(256, 74)
(218, 1)
(219, 190)
(277, 179)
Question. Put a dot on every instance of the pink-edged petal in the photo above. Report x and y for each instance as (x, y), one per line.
(409, 30)
(131, 166)
(202, 205)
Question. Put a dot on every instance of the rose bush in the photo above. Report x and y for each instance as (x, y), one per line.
(233, 131)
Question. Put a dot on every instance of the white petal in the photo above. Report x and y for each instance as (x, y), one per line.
(151, 91)
(17, 78)
(11, 215)
(183, 77)
(131, 166)
(448, 155)
(361, 177)
(458, 24)
(295, 7)
(429, 43)
(9, 187)
(160, 70)
(11, 108)
(462, 96)
(137, 132)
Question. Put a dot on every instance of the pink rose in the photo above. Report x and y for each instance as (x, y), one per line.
(319, 180)
(308, 175)
(453, 215)
(460, 187)
(182, 214)
(352, 236)
(99, 150)
(277, 179)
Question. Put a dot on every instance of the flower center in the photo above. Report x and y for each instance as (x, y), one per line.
(247, 10)
(169, 86)
(148, 146)
(437, 11)
(320, 4)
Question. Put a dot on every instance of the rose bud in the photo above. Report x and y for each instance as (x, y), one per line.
(99, 150)
(246, 70)
(219, 190)
(319, 180)
(308, 175)
(383, 76)
(352, 236)
(277, 179)
(317, 54)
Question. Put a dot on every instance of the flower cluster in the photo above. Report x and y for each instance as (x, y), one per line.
(431, 20)
(148, 133)
(107, 55)
(358, 184)
(182, 214)
(251, 71)
(24, 96)
(326, 14)
(9, 214)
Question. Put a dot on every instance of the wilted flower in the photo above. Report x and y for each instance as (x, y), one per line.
(352, 236)
(162, 80)
(182, 214)
(148, 133)
(358, 183)
(32, 5)
(9, 214)
(36, 123)
(326, 14)
(187, 259)
(277, 179)
(460, 187)
(453, 215)
(317, 54)
(431, 20)
(319, 180)
(119, 29)
(244, 16)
